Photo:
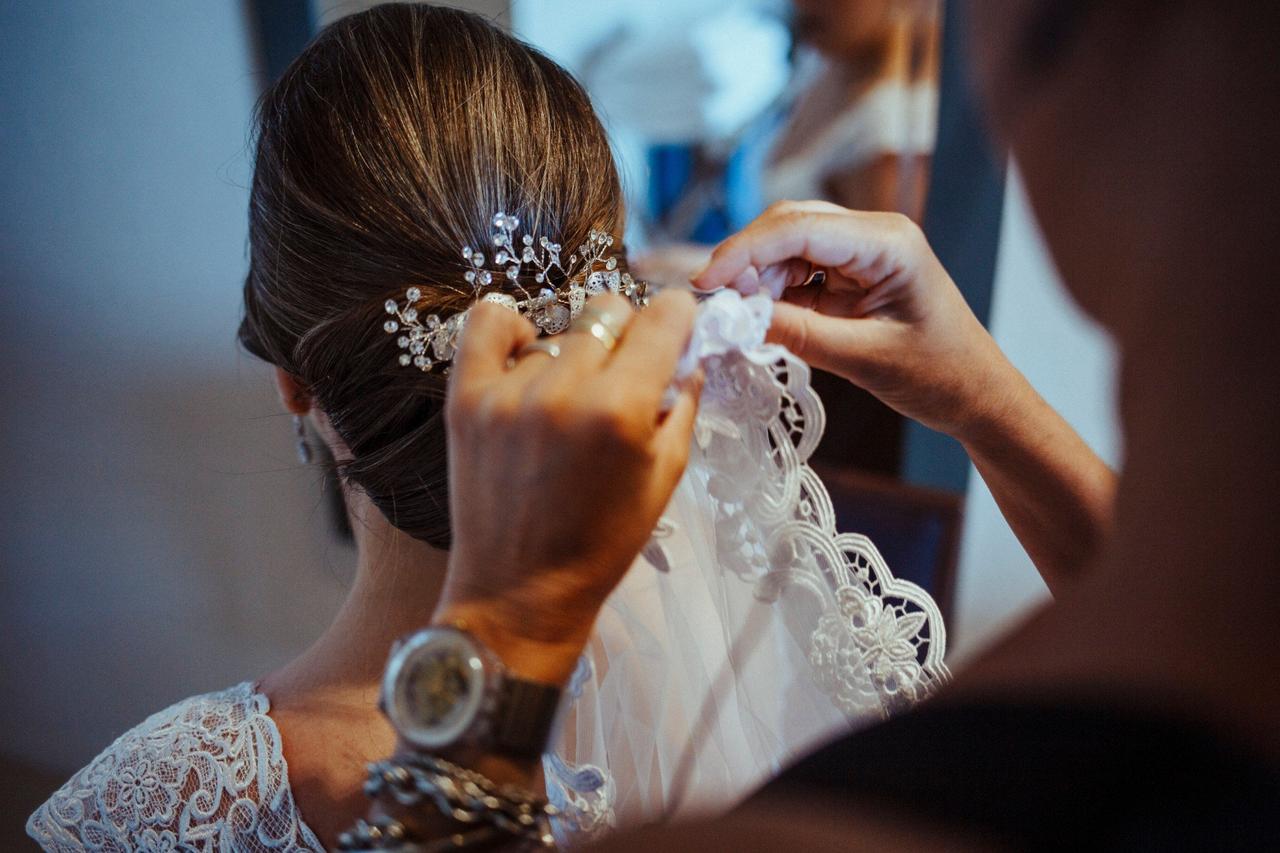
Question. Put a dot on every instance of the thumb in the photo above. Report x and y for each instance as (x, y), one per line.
(836, 344)
(492, 334)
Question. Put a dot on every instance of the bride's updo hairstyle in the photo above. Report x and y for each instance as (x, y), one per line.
(385, 148)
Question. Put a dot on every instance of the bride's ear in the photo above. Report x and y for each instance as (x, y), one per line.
(293, 395)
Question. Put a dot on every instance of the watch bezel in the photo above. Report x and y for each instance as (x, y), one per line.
(397, 679)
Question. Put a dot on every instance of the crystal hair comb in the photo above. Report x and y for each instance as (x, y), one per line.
(430, 341)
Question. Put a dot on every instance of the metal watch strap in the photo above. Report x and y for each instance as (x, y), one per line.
(525, 714)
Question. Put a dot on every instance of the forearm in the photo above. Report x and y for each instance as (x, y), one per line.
(1055, 492)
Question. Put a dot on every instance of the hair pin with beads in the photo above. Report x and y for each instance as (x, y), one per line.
(552, 299)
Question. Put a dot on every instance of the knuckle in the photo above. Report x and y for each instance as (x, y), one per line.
(483, 314)
(492, 316)
(670, 306)
(903, 227)
(797, 216)
(723, 248)
(612, 302)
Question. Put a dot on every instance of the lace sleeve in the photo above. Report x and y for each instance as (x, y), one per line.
(205, 774)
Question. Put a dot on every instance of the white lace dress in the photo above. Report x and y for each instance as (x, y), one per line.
(747, 630)
(207, 774)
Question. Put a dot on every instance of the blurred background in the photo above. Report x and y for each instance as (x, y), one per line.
(159, 537)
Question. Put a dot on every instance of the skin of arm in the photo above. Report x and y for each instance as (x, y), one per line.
(1056, 494)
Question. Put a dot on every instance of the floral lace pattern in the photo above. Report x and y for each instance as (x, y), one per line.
(207, 774)
(777, 525)
(584, 795)
(878, 642)
(874, 643)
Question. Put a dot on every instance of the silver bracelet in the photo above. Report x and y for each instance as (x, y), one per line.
(464, 796)
(390, 835)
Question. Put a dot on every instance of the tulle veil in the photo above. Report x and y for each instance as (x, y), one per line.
(749, 629)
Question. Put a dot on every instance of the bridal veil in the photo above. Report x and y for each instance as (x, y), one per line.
(749, 629)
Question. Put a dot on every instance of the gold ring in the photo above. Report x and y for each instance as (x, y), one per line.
(604, 326)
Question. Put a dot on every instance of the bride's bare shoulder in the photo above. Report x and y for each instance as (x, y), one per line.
(329, 734)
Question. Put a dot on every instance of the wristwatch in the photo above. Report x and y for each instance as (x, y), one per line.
(442, 688)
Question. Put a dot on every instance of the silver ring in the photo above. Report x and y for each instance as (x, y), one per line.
(551, 348)
(601, 324)
(814, 276)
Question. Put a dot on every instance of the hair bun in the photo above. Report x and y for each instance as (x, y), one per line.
(367, 178)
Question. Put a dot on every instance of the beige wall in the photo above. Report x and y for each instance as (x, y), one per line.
(158, 537)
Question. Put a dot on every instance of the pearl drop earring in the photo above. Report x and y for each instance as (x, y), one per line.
(304, 447)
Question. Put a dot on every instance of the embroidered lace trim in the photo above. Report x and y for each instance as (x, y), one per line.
(778, 524)
(875, 643)
(207, 774)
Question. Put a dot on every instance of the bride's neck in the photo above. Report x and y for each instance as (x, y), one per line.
(397, 584)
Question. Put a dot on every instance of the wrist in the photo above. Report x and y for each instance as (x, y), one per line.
(529, 649)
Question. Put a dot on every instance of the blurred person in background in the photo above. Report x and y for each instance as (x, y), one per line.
(854, 122)
(861, 131)
(855, 125)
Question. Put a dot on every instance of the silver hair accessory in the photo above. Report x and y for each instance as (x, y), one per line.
(429, 341)
(304, 447)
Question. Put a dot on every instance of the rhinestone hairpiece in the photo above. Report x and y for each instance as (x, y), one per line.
(431, 340)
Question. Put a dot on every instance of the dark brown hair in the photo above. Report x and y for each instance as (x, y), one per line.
(384, 148)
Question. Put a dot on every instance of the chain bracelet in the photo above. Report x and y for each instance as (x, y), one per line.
(465, 796)
(388, 834)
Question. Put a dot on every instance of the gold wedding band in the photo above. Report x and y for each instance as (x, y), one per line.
(605, 326)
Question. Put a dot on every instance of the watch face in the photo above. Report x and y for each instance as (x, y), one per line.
(434, 687)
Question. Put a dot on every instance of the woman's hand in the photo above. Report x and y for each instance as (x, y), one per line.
(559, 469)
(887, 317)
